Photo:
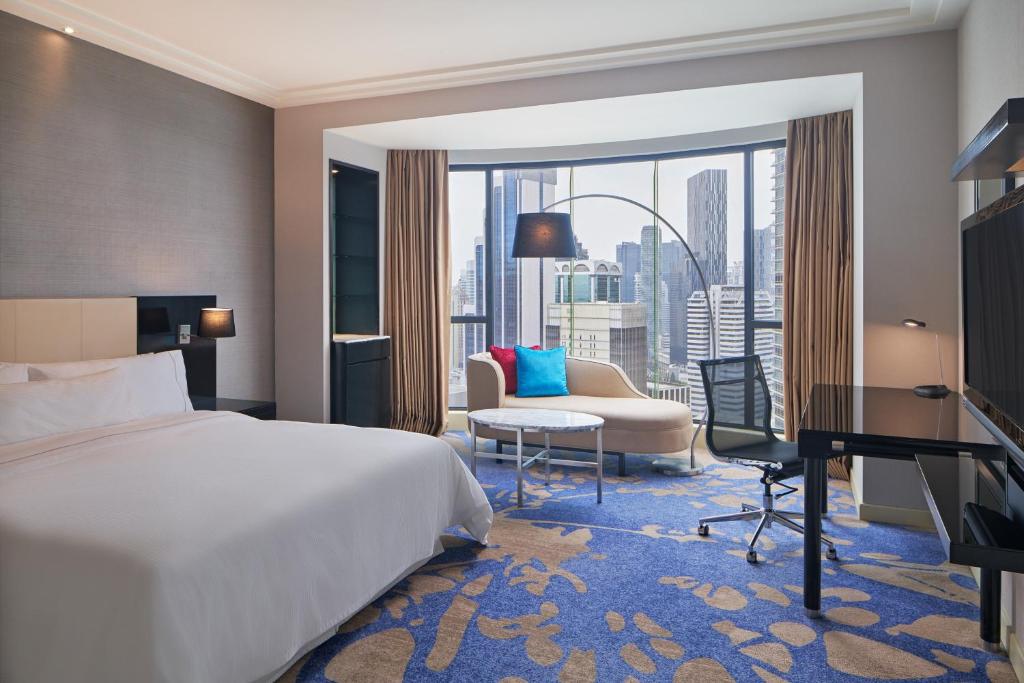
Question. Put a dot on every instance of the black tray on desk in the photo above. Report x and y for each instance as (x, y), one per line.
(970, 513)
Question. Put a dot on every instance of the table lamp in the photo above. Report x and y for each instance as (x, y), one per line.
(929, 390)
(215, 323)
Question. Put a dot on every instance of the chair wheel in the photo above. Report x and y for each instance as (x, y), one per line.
(703, 530)
(832, 554)
(752, 556)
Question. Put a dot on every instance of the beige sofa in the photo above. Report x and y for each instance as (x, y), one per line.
(634, 422)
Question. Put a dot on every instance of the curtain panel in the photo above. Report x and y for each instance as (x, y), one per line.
(818, 290)
(416, 288)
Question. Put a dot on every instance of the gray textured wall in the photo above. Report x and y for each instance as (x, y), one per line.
(120, 178)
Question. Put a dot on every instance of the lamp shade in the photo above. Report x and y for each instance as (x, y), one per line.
(217, 322)
(544, 234)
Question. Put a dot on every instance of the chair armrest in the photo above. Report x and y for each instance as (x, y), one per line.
(597, 378)
(485, 383)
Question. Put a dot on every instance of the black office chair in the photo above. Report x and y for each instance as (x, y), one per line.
(738, 422)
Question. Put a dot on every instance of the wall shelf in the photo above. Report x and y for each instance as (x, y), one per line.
(355, 240)
(998, 149)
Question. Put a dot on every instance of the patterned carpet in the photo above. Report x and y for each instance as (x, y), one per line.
(627, 591)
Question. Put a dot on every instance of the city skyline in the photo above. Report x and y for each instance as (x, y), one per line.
(645, 276)
(599, 222)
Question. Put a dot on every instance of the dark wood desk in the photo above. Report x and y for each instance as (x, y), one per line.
(889, 423)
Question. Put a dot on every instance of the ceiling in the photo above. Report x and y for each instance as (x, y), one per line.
(617, 119)
(285, 53)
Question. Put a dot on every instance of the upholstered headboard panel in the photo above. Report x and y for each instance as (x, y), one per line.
(56, 330)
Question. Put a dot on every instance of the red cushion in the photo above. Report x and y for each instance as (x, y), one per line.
(506, 358)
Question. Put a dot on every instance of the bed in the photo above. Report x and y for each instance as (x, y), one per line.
(199, 546)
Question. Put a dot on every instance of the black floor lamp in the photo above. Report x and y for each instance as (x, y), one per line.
(540, 235)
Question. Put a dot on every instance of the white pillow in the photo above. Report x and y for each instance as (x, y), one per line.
(32, 410)
(13, 372)
(157, 379)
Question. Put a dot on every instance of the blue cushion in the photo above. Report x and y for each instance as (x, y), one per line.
(541, 372)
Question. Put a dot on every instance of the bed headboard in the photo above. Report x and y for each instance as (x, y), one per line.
(56, 330)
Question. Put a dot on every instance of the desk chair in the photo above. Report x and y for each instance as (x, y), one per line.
(739, 432)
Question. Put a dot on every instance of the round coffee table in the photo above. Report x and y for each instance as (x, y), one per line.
(544, 422)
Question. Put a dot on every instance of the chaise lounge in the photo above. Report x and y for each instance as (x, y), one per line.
(634, 422)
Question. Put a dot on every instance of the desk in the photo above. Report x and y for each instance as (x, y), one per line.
(889, 423)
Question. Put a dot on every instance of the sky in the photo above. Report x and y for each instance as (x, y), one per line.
(601, 224)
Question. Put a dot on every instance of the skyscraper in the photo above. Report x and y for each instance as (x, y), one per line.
(764, 260)
(680, 279)
(515, 191)
(652, 292)
(776, 379)
(727, 304)
(592, 282)
(706, 203)
(627, 254)
(603, 328)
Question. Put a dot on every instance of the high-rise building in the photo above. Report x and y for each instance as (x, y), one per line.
(516, 191)
(479, 270)
(615, 333)
(652, 292)
(602, 328)
(706, 204)
(735, 276)
(627, 254)
(776, 379)
(589, 282)
(764, 260)
(727, 305)
(680, 279)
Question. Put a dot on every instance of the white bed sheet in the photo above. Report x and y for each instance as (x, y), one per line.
(209, 546)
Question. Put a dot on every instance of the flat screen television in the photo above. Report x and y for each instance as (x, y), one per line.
(993, 309)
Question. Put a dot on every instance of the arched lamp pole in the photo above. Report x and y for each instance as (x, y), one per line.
(669, 465)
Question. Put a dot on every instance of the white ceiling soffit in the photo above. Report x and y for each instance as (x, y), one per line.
(617, 119)
(301, 52)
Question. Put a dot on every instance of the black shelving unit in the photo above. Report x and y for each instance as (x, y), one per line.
(355, 239)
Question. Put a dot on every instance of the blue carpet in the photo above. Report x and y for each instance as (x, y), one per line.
(570, 590)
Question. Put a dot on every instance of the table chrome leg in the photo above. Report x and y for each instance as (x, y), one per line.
(547, 460)
(519, 468)
(472, 447)
(600, 462)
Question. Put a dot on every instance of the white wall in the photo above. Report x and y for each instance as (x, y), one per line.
(303, 299)
(991, 70)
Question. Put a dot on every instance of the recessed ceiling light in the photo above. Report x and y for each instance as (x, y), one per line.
(69, 30)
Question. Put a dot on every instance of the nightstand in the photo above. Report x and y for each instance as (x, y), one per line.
(263, 410)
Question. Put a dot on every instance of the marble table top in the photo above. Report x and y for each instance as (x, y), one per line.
(536, 420)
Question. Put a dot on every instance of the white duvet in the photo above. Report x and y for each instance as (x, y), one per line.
(209, 546)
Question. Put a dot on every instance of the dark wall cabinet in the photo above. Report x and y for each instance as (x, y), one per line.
(361, 380)
(360, 359)
(355, 240)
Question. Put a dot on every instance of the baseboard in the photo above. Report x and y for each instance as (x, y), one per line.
(457, 421)
(895, 515)
(1013, 649)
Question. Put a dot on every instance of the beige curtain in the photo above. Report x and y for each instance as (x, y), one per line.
(416, 284)
(818, 307)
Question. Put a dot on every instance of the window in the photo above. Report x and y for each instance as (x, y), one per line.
(632, 294)
(467, 209)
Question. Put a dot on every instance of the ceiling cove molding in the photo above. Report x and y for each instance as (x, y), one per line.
(920, 15)
(99, 30)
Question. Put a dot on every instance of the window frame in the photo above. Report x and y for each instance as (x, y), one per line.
(751, 325)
